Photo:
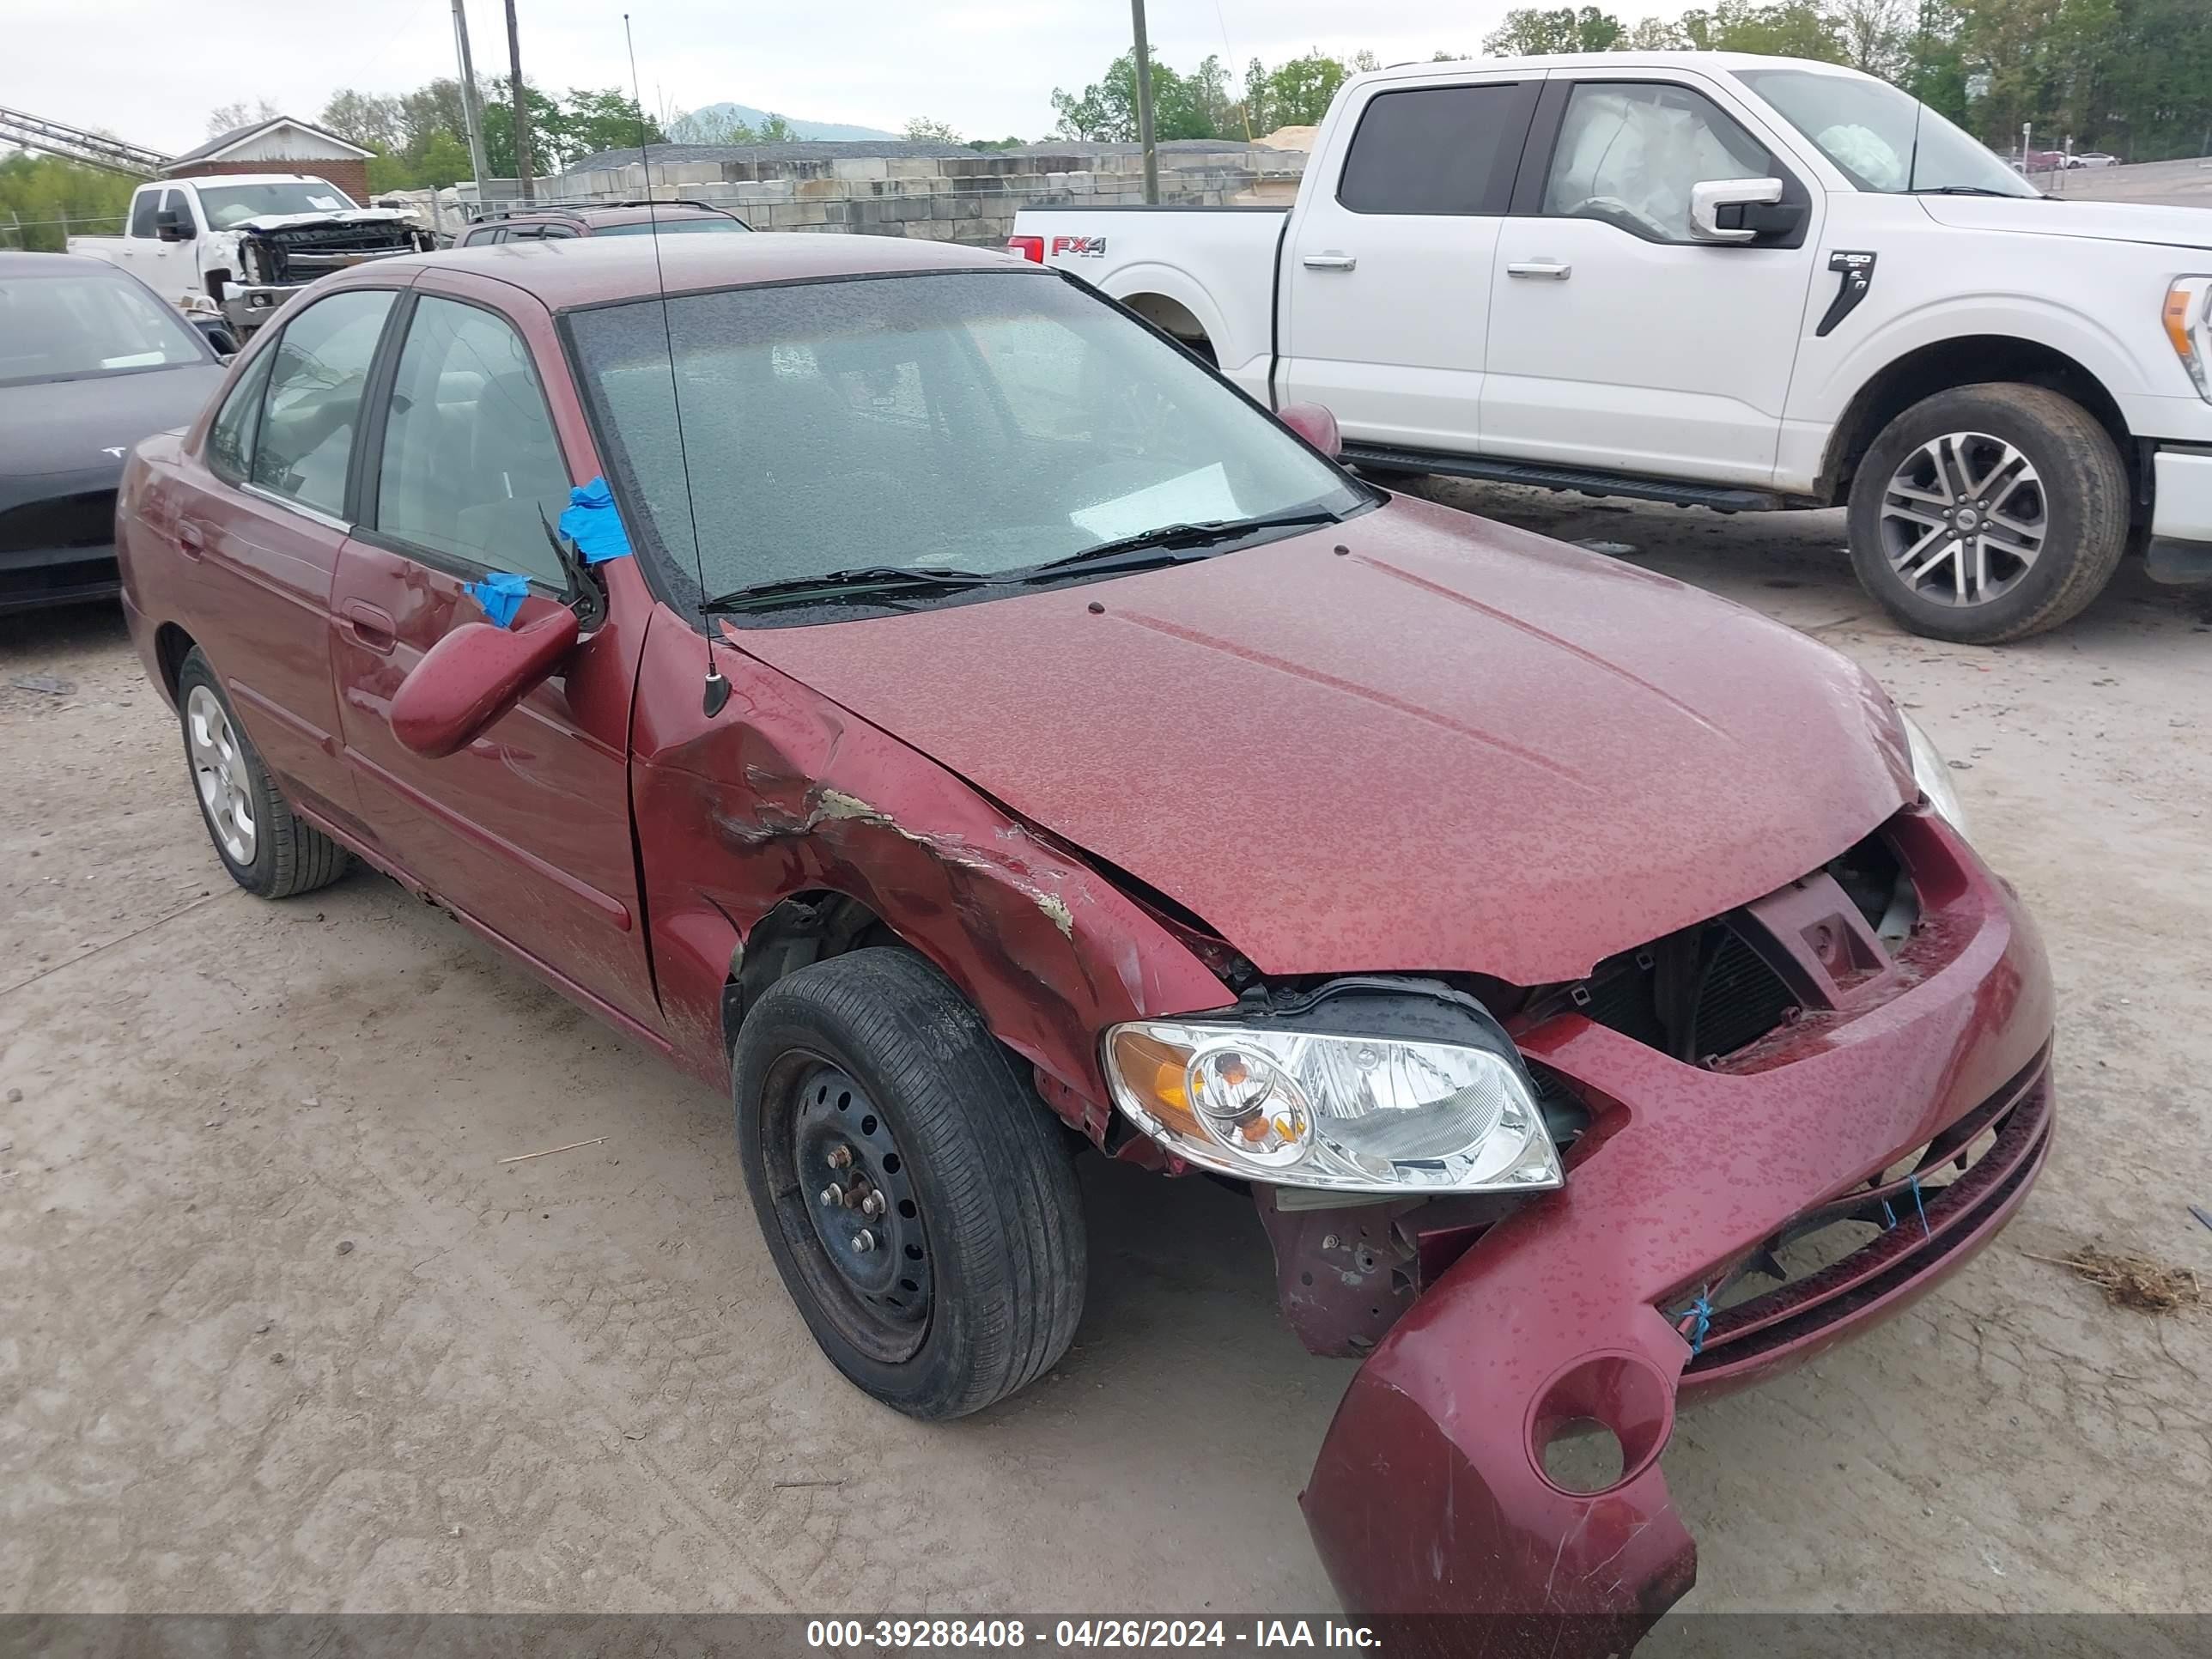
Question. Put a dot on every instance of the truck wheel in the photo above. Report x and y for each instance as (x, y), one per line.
(1989, 513)
(914, 1193)
(268, 851)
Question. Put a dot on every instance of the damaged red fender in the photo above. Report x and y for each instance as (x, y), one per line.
(781, 793)
(1430, 1494)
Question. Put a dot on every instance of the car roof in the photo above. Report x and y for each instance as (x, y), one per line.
(567, 273)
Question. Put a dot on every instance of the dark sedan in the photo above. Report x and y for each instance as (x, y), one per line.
(91, 361)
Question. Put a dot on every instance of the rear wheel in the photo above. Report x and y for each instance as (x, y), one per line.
(916, 1194)
(1989, 513)
(268, 851)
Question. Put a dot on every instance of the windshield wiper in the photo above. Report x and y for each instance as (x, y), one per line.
(840, 586)
(1975, 190)
(1151, 548)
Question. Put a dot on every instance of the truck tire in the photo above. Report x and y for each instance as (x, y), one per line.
(914, 1193)
(268, 851)
(1986, 514)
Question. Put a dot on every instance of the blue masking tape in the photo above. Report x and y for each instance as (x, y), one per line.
(501, 594)
(592, 522)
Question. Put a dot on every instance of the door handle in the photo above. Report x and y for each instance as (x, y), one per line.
(371, 626)
(191, 540)
(1329, 262)
(1550, 271)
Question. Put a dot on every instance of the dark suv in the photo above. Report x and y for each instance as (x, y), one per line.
(606, 219)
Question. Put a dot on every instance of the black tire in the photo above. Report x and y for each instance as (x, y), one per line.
(2083, 494)
(289, 857)
(997, 1218)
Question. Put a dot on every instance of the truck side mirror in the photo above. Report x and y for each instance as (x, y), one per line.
(170, 225)
(1742, 211)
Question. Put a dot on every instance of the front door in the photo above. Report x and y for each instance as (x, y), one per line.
(527, 830)
(1618, 342)
(1386, 278)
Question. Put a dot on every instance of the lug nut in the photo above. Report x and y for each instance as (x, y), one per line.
(872, 1204)
(831, 1198)
(840, 1157)
(864, 1241)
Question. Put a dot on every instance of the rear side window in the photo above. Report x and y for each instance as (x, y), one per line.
(143, 208)
(230, 440)
(319, 370)
(1438, 150)
(470, 467)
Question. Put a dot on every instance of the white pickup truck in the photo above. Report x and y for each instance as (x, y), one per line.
(1712, 279)
(247, 241)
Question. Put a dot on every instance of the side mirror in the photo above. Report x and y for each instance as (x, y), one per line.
(1313, 423)
(170, 225)
(472, 677)
(1742, 211)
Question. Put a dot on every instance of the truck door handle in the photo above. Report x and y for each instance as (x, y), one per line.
(1550, 271)
(371, 627)
(1329, 262)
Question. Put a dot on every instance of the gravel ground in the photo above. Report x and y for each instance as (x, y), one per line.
(279, 1330)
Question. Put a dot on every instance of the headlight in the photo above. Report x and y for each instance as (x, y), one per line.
(2188, 319)
(1934, 777)
(1356, 1113)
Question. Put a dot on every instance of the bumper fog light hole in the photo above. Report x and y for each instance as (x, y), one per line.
(1583, 1456)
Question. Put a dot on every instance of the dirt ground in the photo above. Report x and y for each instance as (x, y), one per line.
(279, 1330)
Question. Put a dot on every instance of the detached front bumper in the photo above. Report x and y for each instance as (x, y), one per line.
(1429, 1495)
(247, 305)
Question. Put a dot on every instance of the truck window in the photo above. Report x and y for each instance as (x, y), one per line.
(1438, 150)
(143, 206)
(321, 367)
(1628, 153)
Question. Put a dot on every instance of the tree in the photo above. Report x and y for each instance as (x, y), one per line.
(588, 122)
(367, 118)
(1299, 90)
(922, 130)
(45, 199)
(1876, 36)
(1788, 29)
(229, 117)
(1529, 32)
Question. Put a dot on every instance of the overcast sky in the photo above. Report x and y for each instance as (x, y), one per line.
(988, 66)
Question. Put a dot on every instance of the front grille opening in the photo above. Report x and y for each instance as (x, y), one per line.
(86, 520)
(1875, 881)
(1700, 995)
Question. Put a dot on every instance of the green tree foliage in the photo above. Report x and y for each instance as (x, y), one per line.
(1529, 32)
(44, 199)
(923, 131)
(421, 137)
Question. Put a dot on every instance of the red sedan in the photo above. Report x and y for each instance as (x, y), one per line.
(909, 692)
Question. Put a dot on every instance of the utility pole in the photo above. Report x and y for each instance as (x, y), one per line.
(521, 114)
(471, 116)
(1144, 104)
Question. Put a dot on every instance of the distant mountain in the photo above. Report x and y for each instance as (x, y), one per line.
(705, 124)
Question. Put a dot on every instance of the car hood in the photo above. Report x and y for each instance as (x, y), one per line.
(2110, 221)
(68, 426)
(338, 216)
(1416, 741)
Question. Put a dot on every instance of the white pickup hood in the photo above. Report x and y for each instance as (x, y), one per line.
(341, 217)
(2108, 221)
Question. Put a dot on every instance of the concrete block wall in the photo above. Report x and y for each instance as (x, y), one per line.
(966, 199)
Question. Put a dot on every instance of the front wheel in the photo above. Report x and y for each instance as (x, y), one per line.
(916, 1194)
(1986, 514)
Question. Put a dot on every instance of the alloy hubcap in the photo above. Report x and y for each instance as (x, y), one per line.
(1963, 519)
(861, 1201)
(219, 772)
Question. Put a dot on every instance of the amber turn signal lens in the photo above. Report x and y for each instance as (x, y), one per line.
(1154, 1070)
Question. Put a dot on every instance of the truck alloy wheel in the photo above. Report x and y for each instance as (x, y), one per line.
(1963, 519)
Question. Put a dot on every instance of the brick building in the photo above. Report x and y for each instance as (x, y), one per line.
(280, 144)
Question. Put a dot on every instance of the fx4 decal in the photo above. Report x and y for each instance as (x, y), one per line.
(1082, 247)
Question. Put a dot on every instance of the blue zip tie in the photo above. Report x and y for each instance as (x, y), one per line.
(1701, 1312)
(1926, 1232)
(1888, 1216)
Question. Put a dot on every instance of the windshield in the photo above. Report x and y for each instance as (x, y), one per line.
(985, 421)
(67, 327)
(229, 205)
(671, 227)
(1882, 139)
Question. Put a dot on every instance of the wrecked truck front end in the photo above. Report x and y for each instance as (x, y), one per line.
(1721, 1220)
(278, 255)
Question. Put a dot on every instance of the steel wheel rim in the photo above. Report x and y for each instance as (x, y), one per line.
(880, 1294)
(1964, 519)
(219, 772)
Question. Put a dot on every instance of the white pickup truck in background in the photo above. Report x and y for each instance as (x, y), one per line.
(247, 240)
(1712, 279)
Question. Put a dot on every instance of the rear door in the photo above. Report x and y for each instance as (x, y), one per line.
(267, 532)
(527, 830)
(1618, 342)
(1386, 275)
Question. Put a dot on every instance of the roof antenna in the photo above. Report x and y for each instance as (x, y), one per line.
(717, 692)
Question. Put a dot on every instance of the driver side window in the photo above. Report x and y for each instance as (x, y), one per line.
(1628, 153)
